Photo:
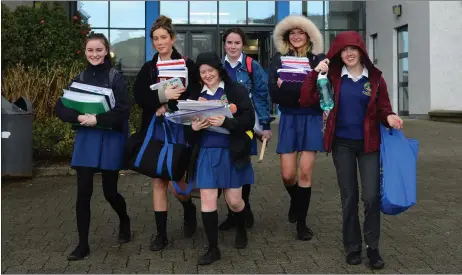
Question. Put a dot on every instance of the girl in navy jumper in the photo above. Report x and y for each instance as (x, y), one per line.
(155, 103)
(235, 63)
(300, 128)
(96, 149)
(352, 134)
(223, 160)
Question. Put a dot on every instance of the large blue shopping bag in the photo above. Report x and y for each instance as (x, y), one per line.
(398, 173)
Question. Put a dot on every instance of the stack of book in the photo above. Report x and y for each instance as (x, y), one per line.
(88, 99)
(294, 69)
(189, 110)
(171, 73)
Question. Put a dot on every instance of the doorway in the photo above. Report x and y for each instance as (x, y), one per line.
(192, 41)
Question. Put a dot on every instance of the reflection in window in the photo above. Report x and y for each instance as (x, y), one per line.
(374, 49)
(232, 12)
(176, 10)
(129, 47)
(103, 31)
(344, 15)
(203, 12)
(201, 43)
(403, 43)
(329, 37)
(180, 43)
(261, 12)
(314, 10)
(127, 14)
(95, 12)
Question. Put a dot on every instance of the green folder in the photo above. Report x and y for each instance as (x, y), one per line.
(85, 103)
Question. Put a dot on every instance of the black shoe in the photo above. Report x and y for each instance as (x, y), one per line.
(212, 255)
(250, 219)
(375, 260)
(190, 221)
(79, 253)
(303, 232)
(229, 223)
(125, 233)
(159, 243)
(292, 213)
(353, 258)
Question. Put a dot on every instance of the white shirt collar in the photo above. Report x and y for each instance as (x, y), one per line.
(206, 89)
(365, 73)
(237, 62)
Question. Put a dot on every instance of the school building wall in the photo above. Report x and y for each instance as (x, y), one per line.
(432, 73)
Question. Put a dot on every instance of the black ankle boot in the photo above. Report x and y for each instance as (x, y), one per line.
(292, 190)
(229, 223)
(125, 233)
(190, 220)
(353, 258)
(375, 260)
(213, 254)
(159, 242)
(241, 234)
(79, 253)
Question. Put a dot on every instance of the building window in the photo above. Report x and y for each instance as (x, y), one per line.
(344, 15)
(232, 12)
(403, 71)
(261, 12)
(314, 10)
(176, 10)
(203, 12)
(374, 49)
(123, 23)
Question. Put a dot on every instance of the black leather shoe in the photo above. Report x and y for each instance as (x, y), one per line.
(375, 260)
(212, 255)
(125, 233)
(353, 258)
(229, 223)
(303, 232)
(190, 222)
(79, 253)
(159, 243)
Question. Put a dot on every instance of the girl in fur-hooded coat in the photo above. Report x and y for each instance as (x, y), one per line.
(299, 127)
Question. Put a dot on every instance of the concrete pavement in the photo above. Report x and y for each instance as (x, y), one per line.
(39, 229)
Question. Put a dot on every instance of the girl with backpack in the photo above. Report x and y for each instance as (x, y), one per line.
(299, 127)
(242, 69)
(97, 149)
(153, 103)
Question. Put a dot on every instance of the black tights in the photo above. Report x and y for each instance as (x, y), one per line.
(84, 193)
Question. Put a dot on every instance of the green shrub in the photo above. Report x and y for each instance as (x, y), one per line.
(41, 36)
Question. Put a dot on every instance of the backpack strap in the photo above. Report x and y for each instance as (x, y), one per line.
(112, 73)
(248, 63)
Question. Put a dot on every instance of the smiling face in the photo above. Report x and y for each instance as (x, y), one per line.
(233, 45)
(209, 75)
(351, 56)
(162, 41)
(298, 38)
(95, 51)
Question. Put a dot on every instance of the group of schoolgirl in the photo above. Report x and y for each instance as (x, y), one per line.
(222, 162)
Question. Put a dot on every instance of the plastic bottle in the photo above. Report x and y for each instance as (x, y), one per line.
(325, 92)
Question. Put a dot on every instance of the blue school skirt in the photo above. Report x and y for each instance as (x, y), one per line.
(299, 133)
(216, 170)
(98, 148)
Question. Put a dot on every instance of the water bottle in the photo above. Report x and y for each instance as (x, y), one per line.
(325, 92)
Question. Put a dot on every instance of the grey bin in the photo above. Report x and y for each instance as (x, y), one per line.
(17, 120)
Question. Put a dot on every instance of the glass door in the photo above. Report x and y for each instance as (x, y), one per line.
(192, 42)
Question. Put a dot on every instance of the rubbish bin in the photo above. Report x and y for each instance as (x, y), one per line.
(17, 120)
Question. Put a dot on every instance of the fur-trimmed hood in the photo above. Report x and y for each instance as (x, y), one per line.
(297, 21)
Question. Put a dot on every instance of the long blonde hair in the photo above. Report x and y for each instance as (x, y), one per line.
(303, 51)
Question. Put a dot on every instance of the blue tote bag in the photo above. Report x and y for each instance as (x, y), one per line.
(398, 173)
